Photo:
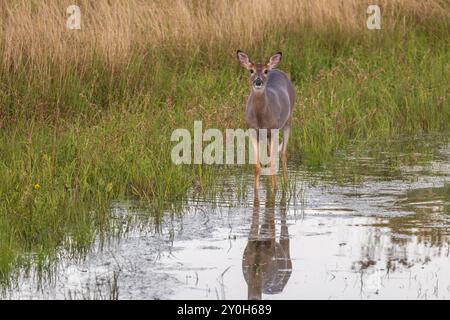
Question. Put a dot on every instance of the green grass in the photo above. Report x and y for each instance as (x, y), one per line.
(71, 141)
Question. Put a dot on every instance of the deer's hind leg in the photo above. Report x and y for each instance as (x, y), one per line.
(286, 133)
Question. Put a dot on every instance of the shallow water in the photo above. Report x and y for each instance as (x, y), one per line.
(376, 225)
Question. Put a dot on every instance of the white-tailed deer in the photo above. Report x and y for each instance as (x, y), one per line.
(270, 103)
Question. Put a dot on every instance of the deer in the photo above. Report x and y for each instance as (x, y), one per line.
(269, 106)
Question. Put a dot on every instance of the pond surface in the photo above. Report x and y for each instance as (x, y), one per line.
(374, 226)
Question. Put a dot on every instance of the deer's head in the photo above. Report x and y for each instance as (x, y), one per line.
(259, 72)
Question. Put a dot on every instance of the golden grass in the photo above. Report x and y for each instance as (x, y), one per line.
(34, 32)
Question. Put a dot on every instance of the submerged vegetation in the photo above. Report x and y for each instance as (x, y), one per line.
(86, 115)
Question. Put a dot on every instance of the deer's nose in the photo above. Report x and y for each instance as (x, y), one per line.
(258, 82)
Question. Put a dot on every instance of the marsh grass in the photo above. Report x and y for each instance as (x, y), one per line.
(86, 116)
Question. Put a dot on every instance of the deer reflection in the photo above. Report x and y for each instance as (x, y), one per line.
(266, 262)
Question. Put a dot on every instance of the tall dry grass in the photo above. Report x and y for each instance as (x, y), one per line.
(33, 32)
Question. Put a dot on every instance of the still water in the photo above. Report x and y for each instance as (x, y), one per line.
(375, 225)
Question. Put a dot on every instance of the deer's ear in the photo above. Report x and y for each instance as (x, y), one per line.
(243, 59)
(274, 60)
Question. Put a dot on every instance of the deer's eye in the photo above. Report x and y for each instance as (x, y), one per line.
(266, 71)
(251, 70)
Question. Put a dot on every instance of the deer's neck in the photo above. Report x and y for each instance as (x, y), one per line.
(259, 104)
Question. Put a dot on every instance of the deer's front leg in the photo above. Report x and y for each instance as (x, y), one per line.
(255, 146)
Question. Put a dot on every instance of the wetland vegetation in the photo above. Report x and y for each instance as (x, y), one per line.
(86, 115)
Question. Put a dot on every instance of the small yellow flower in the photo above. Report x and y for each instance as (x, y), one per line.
(37, 186)
(109, 187)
